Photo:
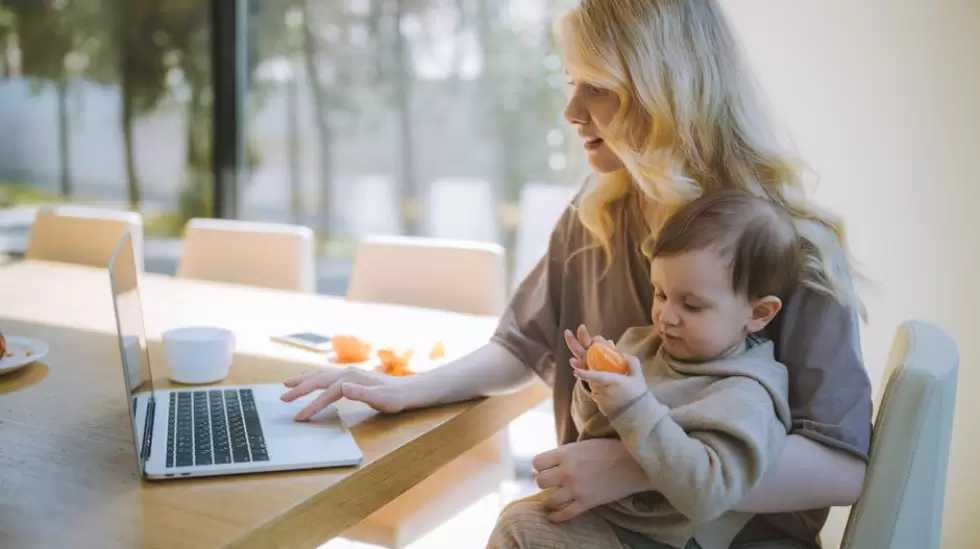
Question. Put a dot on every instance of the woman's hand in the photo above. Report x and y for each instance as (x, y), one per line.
(586, 474)
(382, 392)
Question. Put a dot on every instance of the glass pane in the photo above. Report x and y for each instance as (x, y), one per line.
(421, 117)
(106, 103)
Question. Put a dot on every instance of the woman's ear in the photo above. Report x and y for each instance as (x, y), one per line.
(764, 310)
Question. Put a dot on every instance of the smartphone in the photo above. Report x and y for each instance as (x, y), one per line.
(310, 341)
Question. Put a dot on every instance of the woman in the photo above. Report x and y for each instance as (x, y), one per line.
(666, 108)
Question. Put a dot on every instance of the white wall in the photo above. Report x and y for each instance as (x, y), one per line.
(883, 98)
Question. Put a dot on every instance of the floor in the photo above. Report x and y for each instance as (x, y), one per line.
(530, 434)
(469, 529)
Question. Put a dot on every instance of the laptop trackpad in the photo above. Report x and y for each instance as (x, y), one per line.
(278, 420)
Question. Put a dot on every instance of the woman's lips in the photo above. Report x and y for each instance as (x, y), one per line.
(592, 144)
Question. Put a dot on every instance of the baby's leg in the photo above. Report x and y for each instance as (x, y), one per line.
(524, 524)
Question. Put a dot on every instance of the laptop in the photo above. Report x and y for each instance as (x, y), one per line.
(216, 429)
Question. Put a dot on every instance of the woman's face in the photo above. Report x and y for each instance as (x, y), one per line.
(590, 109)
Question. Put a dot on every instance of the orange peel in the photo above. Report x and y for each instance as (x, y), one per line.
(350, 349)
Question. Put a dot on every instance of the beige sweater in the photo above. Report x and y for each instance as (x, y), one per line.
(704, 433)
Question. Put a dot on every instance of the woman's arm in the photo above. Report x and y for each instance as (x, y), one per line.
(488, 371)
(807, 475)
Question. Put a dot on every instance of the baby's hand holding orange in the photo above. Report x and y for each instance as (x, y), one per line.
(603, 357)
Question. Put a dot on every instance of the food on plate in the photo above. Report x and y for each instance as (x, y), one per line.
(602, 356)
(394, 362)
(437, 351)
(350, 349)
(3, 346)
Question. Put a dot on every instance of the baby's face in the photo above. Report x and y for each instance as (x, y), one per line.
(697, 313)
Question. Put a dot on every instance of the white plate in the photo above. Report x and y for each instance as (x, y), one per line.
(22, 351)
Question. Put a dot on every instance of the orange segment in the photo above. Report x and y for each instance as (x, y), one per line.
(603, 357)
(350, 349)
(398, 372)
(437, 351)
(395, 363)
(392, 359)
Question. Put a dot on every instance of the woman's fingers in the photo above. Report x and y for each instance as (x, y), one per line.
(559, 499)
(568, 512)
(326, 398)
(549, 478)
(306, 386)
(330, 380)
(380, 397)
(547, 460)
(294, 381)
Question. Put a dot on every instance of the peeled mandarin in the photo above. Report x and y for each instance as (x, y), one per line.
(604, 358)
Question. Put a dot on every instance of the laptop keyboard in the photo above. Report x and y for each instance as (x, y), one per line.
(214, 427)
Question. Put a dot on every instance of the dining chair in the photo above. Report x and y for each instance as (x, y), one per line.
(269, 255)
(541, 206)
(454, 275)
(901, 506)
(82, 235)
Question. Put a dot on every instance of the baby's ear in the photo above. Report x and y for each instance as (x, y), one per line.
(764, 310)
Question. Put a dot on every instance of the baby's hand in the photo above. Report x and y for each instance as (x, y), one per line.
(612, 392)
(578, 343)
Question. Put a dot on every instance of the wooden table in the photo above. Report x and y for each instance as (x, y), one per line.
(68, 476)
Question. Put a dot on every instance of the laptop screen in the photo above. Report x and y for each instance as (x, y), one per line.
(123, 278)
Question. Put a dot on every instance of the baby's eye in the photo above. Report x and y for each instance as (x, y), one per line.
(693, 308)
(660, 295)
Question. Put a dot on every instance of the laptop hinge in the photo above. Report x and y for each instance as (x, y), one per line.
(151, 409)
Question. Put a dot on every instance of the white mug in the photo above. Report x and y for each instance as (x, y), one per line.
(198, 354)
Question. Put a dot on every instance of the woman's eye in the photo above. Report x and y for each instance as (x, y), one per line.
(660, 295)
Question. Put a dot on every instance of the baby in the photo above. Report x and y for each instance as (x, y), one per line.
(703, 409)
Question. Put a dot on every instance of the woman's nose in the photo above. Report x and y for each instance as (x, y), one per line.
(575, 112)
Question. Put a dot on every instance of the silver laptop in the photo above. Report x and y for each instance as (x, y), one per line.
(216, 429)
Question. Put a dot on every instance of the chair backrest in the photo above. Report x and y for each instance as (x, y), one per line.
(83, 235)
(269, 255)
(476, 220)
(453, 275)
(901, 506)
(542, 205)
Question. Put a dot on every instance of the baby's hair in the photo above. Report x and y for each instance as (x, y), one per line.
(756, 235)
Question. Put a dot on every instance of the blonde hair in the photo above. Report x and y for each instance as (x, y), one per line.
(690, 121)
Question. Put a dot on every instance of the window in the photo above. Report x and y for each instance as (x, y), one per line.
(421, 117)
(105, 103)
